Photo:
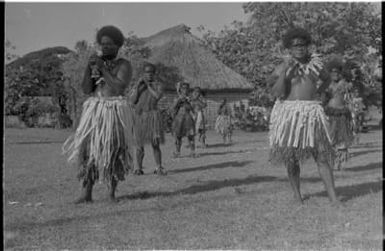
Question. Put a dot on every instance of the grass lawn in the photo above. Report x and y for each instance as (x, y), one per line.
(227, 198)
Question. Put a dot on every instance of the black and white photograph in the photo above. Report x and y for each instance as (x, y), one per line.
(193, 125)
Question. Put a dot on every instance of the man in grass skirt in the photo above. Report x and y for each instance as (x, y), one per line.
(298, 124)
(145, 96)
(340, 118)
(102, 142)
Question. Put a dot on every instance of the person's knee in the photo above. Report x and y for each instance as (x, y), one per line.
(292, 166)
(323, 159)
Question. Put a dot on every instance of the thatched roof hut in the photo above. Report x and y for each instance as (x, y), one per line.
(177, 47)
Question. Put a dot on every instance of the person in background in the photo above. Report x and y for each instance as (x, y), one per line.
(223, 124)
(199, 103)
(148, 129)
(340, 118)
(183, 123)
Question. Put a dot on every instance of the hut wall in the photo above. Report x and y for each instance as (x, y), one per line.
(213, 103)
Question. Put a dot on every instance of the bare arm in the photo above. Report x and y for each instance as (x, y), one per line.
(88, 85)
(156, 91)
(202, 103)
(282, 83)
(134, 96)
(122, 78)
(326, 80)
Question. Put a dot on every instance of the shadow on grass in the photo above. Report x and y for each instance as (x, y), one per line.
(219, 153)
(206, 187)
(367, 145)
(367, 167)
(35, 142)
(355, 154)
(213, 166)
(217, 145)
(194, 189)
(350, 192)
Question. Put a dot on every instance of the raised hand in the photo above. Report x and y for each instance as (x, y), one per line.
(291, 71)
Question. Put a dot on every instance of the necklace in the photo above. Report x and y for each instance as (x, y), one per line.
(315, 65)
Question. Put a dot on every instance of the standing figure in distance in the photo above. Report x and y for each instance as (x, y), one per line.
(298, 124)
(199, 103)
(145, 96)
(340, 118)
(223, 124)
(104, 137)
(183, 123)
(357, 109)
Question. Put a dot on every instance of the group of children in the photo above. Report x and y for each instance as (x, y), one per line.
(189, 119)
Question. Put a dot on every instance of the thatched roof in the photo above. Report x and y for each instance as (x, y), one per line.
(177, 47)
(39, 56)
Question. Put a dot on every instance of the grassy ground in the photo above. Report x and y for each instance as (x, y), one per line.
(228, 198)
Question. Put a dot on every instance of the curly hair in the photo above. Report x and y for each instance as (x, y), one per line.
(293, 33)
(201, 92)
(148, 64)
(186, 84)
(335, 63)
(112, 32)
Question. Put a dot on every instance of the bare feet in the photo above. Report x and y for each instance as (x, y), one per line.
(160, 171)
(83, 200)
(138, 172)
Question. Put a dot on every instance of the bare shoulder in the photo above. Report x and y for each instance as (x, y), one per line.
(124, 63)
(280, 68)
(324, 74)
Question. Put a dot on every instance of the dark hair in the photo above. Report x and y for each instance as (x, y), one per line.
(202, 93)
(293, 33)
(335, 63)
(112, 32)
(148, 64)
(185, 84)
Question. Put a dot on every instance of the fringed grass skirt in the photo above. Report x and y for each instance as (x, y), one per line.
(340, 126)
(200, 122)
(183, 125)
(298, 131)
(148, 128)
(223, 125)
(103, 140)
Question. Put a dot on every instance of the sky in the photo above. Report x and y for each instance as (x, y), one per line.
(34, 26)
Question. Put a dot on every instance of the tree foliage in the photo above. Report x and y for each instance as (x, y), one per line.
(253, 49)
(36, 74)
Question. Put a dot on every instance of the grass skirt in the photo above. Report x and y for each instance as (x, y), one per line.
(200, 122)
(183, 125)
(340, 126)
(103, 140)
(299, 130)
(148, 128)
(223, 125)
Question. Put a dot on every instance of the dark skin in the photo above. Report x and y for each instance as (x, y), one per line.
(337, 97)
(288, 86)
(199, 104)
(156, 90)
(337, 89)
(116, 80)
(183, 95)
(223, 108)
